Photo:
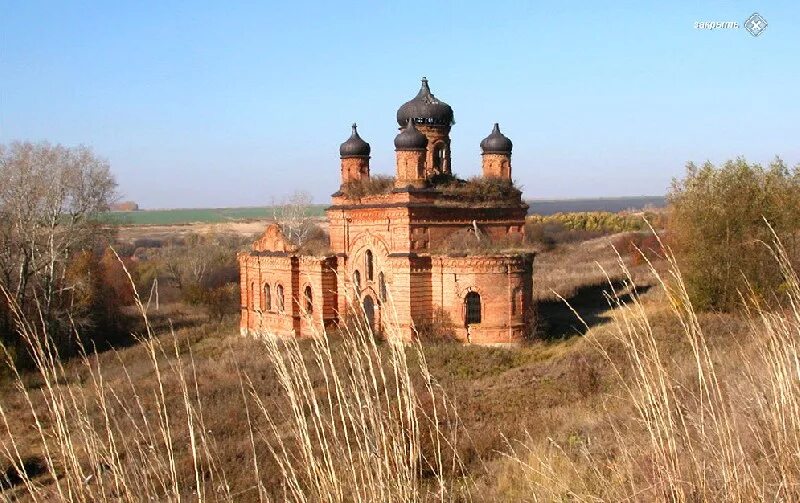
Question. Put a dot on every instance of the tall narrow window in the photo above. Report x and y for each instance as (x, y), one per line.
(279, 300)
(515, 301)
(369, 311)
(357, 281)
(472, 304)
(370, 266)
(382, 287)
(252, 296)
(266, 301)
(309, 299)
(438, 157)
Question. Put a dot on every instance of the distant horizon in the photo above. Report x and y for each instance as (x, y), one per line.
(315, 203)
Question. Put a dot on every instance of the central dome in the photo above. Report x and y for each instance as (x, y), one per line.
(425, 108)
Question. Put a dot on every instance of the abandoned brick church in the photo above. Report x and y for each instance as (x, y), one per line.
(429, 246)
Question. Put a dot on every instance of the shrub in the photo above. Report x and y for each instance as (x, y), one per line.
(638, 247)
(603, 222)
(371, 186)
(548, 234)
(717, 228)
(478, 190)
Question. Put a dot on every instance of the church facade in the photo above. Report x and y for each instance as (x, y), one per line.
(402, 257)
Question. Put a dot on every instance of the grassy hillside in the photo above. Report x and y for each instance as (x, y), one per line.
(633, 398)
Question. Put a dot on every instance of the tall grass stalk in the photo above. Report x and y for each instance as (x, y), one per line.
(363, 421)
(712, 424)
(374, 427)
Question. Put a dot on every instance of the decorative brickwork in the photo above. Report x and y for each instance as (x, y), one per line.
(410, 168)
(496, 166)
(386, 252)
(354, 169)
(437, 155)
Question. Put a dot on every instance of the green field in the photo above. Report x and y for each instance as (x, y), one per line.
(217, 215)
(197, 215)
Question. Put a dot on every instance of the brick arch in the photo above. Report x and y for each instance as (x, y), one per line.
(462, 296)
(370, 292)
(462, 293)
(380, 253)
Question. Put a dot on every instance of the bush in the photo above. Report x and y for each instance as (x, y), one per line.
(717, 228)
(602, 222)
(217, 301)
(374, 185)
(547, 235)
(478, 190)
(639, 247)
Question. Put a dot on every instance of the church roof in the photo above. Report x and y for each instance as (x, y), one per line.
(496, 142)
(425, 108)
(410, 138)
(355, 146)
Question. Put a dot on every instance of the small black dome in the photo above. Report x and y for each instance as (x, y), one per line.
(496, 142)
(354, 146)
(410, 138)
(425, 108)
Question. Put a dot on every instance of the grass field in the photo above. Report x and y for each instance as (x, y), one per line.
(218, 215)
(198, 215)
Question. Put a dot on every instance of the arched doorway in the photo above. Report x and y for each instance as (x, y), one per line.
(472, 308)
(369, 310)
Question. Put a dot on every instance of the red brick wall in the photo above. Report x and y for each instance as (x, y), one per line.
(354, 168)
(410, 168)
(503, 282)
(496, 165)
(436, 135)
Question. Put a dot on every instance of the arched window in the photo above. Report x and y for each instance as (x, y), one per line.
(266, 299)
(370, 266)
(369, 310)
(357, 281)
(382, 287)
(472, 305)
(309, 298)
(251, 301)
(279, 294)
(438, 157)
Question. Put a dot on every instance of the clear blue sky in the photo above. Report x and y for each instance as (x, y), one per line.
(235, 104)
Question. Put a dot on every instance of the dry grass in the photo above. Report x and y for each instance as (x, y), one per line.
(694, 419)
(655, 403)
(180, 416)
(569, 267)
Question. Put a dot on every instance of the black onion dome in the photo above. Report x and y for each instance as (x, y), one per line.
(496, 142)
(410, 138)
(355, 146)
(425, 108)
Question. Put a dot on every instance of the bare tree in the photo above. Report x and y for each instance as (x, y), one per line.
(49, 198)
(293, 214)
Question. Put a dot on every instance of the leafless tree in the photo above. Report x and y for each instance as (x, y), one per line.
(49, 198)
(201, 261)
(293, 214)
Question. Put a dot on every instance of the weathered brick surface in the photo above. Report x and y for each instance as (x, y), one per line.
(354, 169)
(438, 139)
(393, 244)
(410, 168)
(496, 165)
